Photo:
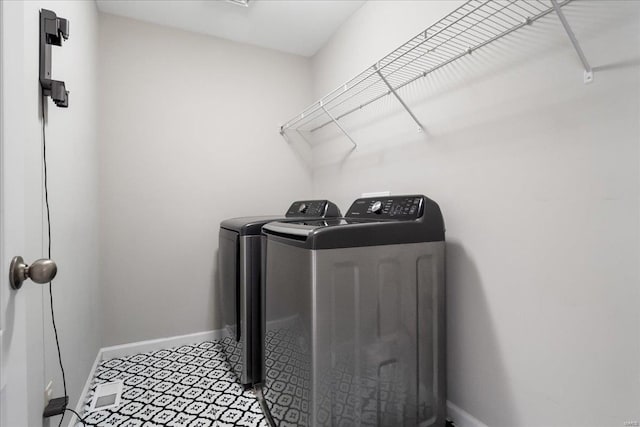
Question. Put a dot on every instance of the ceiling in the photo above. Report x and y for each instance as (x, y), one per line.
(300, 27)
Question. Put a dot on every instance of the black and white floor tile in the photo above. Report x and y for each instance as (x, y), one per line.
(187, 386)
(233, 354)
(288, 376)
(195, 386)
(348, 394)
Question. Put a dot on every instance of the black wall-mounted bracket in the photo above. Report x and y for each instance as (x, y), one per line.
(52, 31)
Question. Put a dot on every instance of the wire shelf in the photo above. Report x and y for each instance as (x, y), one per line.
(468, 28)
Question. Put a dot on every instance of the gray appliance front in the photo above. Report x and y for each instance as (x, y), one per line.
(356, 336)
(240, 274)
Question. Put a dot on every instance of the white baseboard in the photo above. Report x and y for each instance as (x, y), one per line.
(141, 347)
(462, 418)
(160, 343)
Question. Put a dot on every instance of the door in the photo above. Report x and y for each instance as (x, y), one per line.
(13, 354)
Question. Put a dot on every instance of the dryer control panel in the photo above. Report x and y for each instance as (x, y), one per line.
(313, 208)
(393, 207)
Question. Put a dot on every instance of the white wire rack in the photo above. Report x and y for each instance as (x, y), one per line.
(468, 28)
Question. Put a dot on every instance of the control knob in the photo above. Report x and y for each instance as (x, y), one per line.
(303, 208)
(376, 207)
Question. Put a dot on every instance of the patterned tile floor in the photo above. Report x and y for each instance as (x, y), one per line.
(187, 386)
(288, 377)
(349, 393)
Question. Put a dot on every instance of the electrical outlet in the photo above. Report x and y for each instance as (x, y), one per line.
(48, 392)
(56, 406)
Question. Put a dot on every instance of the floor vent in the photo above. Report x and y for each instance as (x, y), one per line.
(106, 396)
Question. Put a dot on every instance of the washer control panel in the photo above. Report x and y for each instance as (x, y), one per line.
(312, 208)
(391, 207)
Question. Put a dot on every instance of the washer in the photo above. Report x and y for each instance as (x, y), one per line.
(240, 263)
(355, 316)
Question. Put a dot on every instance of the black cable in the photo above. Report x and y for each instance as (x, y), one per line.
(46, 201)
(264, 405)
(82, 420)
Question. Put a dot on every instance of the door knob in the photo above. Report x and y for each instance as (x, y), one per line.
(41, 271)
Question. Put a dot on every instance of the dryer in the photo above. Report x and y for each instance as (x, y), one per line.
(240, 263)
(355, 316)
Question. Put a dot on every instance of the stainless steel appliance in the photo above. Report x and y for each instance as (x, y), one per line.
(355, 316)
(240, 260)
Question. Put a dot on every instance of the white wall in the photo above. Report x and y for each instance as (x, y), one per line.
(538, 178)
(188, 137)
(73, 184)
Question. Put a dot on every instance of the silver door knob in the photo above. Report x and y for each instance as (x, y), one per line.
(41, 271)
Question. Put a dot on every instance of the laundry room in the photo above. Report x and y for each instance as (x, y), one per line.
(320, 213)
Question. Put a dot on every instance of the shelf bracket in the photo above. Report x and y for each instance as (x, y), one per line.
(283, 134)
(588, 71)
(393, 91)
(333, 119)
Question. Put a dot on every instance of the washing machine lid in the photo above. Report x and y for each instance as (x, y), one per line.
(248, 225)
(301, 209)
(369, 222)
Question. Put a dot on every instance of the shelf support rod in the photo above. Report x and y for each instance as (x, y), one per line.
(304, 138)
(283, 133)
(588, 71)
(333, 119)
(393, 91)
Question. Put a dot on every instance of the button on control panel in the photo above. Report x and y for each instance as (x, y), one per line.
(376, 207)
(397, 207)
